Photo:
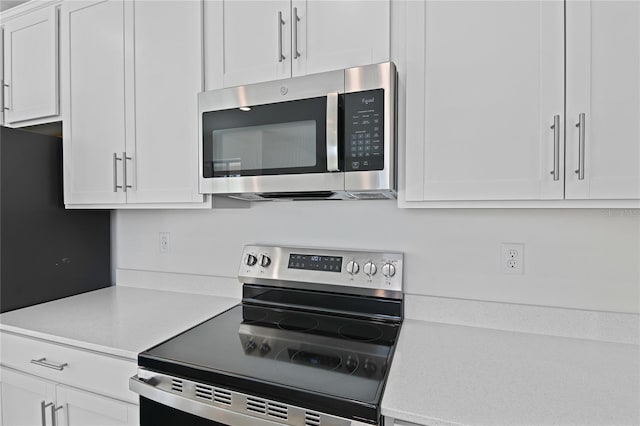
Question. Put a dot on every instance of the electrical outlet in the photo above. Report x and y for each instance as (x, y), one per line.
(164, 242)
(512, 258)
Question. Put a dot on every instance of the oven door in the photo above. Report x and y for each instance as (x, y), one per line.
(279, 136)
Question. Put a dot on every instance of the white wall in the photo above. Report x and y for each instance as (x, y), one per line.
(585, 259)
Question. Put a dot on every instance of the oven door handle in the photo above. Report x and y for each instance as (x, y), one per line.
(332, 132)
(147, 389)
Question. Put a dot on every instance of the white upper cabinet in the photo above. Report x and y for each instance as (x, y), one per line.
(254, 41)
(484, 83)
(133, 70)
(168, 77)
(257, 41)
(332, 35)
(486, 108)
(94, 101)
(31, 66)
(603, 90)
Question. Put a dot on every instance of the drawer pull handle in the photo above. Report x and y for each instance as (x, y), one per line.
(44, 363)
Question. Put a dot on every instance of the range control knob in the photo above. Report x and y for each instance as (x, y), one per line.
(351, 363)
(388, 270)
(265, 260)
(250, 346)
(353, 267)
(369, 367)
(251, 260)
(370, 268)
(264, 349)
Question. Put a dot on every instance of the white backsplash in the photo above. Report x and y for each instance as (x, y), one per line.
(582, 259)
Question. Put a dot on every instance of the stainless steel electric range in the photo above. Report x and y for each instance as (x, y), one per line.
(310, 344)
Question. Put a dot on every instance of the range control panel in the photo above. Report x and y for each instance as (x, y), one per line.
(289, 266)
(364, 130)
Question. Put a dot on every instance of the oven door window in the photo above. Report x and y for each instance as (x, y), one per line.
(273, 139)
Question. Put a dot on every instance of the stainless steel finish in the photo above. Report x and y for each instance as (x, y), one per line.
(224, 405)
(295, 19)
(8, 107)
(370, 268)
(352, 267)
(581, 145)
(2, 108)
(281, 57)
(379, 76)
(54, 417)
(44, 363)
(280, 275)
(125, 186)
(43, 412)
(115, 172)
(351, 185)
(332, 132)
(556, 147)
(388, 270)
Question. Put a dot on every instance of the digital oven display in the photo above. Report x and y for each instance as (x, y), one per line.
(315, 262)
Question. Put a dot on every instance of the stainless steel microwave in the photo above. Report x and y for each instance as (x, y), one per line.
(322, 136)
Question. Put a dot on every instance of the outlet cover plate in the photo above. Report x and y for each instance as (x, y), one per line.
(512, 258)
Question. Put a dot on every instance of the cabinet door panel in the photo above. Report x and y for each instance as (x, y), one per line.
(168, 77)
(251, 45)
(31, 66)
(340, 34)
(86, 409)
(484, 82)
(94, 101)
(22, 398)
(603, 83)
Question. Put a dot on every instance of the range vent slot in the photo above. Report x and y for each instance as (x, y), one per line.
(176, 385)
(222, 396)
(311, 419)
(277, 410)
(257, 405)
(204, 392)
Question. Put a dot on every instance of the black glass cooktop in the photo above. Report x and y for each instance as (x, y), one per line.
(324, 362)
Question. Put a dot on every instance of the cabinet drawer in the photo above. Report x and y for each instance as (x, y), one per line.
(102, 374)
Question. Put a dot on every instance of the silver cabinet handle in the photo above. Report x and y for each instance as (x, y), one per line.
(295, 19)
(556, 147)
(115, 172)
(44, 363)
(581, 141)
(332, 132)
(54, 409)
(125, 185)
(281, 57)
(8, 97)
(43, 412)
(2, 94)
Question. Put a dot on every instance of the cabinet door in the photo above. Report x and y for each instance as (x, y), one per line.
(1, 81)
(81, 408)
(31, 66)
(26, 400)
(484, 82)
(256, 43)
(94, 101)
(603, 83)
(168, 77)
(331, 35)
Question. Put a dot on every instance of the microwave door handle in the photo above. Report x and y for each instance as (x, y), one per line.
(332, 132)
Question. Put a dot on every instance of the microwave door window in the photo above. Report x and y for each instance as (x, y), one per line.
(271, 147)
(273, 139)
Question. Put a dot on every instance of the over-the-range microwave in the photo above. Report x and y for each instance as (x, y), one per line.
(322, 136)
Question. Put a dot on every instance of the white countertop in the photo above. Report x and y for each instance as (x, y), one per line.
(452, 374)
(120, 321)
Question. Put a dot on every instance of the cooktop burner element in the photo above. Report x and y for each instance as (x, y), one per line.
(298, 323)
(305, 337)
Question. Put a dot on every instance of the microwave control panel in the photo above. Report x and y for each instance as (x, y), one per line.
(364, 130)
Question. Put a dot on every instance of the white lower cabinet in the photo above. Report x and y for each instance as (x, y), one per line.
(43, 383)
(30, 400)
